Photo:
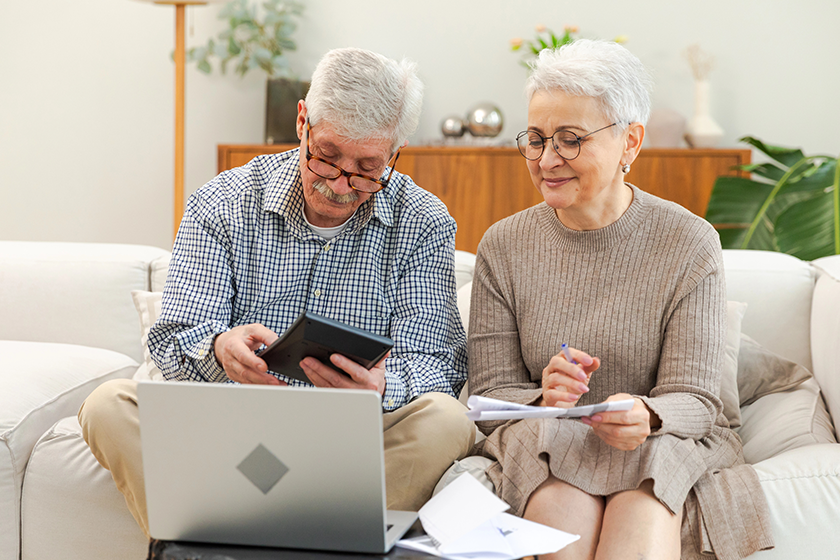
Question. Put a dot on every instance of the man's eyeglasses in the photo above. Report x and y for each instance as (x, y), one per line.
(327, 170)
(566, 143)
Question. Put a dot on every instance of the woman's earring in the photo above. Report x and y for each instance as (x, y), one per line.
(625, 168)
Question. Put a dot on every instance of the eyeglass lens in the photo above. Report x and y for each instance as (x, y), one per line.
(566, 144)
(329, 171)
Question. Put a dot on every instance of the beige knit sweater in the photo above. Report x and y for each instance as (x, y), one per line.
(646, 295)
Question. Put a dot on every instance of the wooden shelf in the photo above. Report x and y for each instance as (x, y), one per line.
(482, 185)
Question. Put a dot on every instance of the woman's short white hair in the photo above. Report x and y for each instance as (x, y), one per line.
(602, 70)
(365, 95)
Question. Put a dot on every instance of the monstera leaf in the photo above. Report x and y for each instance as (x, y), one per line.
(791, 204)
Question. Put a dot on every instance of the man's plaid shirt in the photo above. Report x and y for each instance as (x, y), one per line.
(244, 254)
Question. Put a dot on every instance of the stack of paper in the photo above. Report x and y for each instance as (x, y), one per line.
(482, 408)
(465, 522)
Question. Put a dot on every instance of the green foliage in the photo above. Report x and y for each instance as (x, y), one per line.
(547, 39)
(791, 204)
(254, 38)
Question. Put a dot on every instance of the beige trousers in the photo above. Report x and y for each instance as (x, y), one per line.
(422, 439)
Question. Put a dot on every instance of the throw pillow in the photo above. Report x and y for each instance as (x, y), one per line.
(148, 307)
(780, 422)
(761, 372)
(729, 377)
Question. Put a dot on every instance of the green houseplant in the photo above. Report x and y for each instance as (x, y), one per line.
(547, 39)
(257, 38)
(791, 204)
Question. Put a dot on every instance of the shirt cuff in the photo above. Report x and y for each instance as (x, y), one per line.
(395, 392)
(198, 345)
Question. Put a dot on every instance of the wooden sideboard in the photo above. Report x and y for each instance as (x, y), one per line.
(480, 186)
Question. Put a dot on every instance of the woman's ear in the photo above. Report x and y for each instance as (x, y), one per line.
(634, 136)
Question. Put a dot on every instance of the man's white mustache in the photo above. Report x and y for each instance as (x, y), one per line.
(329, 194)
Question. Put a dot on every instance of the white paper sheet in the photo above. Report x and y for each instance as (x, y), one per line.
(483, 408)
(458, 509)
(464, 522)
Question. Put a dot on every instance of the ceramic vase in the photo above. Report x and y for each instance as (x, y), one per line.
(702, 131)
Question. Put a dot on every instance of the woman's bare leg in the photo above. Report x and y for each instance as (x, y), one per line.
(637, 526)
(564, 507)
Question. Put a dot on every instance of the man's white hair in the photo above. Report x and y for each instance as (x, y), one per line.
(365, 95)
(602, 70)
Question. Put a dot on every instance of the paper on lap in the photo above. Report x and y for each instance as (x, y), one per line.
(465, 522)
(483, 408)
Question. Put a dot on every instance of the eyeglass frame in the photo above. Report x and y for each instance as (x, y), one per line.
(342, 172)
(554, 145)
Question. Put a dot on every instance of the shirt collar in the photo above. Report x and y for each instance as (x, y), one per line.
(284, 196)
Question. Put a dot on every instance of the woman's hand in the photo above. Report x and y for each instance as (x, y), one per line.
(564, 382)
(624, 429)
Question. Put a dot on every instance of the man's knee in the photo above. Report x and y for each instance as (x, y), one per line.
(445, 416)
(110, 407)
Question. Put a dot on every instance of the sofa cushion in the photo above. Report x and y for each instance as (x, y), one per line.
(762, 372)
(729, 376)
(73, 293)
(802, 487)
(779, 422)
(71, 508)
(778, 289)
(825, 329)
(41, 383)
(148, 308)
(464, 267)
(160, 268)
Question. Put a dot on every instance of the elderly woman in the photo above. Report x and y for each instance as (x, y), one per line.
(634, 284)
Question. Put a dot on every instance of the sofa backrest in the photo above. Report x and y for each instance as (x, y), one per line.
(74, 293)
(825, 332)
(778, 290)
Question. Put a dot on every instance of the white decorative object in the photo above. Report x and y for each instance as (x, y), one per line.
(665, 128)
(702, 131)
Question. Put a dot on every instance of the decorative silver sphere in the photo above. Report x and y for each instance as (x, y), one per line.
(485, 119)
(453, 127)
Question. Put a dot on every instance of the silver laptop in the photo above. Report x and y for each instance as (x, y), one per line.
(266, 466)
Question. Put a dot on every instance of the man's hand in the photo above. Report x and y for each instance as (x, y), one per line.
(235, 352)
(563, 382)
(323, 375)
(624, 429)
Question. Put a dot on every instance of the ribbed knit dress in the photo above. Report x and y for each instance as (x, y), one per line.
(646, 295)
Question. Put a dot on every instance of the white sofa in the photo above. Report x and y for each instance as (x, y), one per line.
(67, 323)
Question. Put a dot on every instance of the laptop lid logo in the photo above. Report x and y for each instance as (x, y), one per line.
(262, 468)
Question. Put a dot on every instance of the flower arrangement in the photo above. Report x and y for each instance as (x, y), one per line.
(548, 39)
(253, 39)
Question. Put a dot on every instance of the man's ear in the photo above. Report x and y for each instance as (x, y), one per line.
(300, 123)
(634, 136)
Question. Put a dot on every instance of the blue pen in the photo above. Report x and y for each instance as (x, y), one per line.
(565, 349)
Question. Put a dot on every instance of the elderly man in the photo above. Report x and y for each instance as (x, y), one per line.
(329, 228)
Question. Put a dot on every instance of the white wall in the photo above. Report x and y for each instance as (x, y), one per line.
(86, 88)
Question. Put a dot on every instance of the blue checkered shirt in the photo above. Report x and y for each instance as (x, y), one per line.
(244, 254)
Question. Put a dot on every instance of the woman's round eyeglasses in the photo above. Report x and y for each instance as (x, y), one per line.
(326, 170)
(565, 142)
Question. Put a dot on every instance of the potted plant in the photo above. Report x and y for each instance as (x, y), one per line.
(258, 39)
(791, 204)
(547, 39)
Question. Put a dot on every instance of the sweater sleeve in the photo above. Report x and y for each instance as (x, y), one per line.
(496, 368)
(686, 395)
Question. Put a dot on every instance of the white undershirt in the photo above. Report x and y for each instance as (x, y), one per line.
(327, 233)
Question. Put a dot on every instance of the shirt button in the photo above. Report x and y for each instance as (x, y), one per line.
(327, 247)
(391, 402)
(318, 292)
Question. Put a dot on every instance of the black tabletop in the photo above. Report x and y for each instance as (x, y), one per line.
(175, 550)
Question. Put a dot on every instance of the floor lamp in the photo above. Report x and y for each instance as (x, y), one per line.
(180, 65)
